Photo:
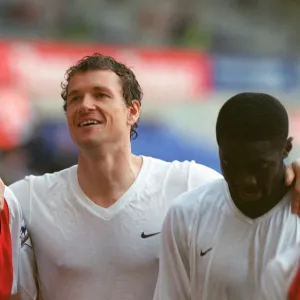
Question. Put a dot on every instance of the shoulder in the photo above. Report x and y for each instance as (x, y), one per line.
(201, 175)
(41, 183)
(179, 166)
(188, 172)
(32, 190)
(200, 199)
(194, 207)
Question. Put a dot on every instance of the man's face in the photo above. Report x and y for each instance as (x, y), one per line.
(251, 168)
(96, 111)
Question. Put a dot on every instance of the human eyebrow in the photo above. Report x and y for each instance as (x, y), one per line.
(102, 89)
(72, 93)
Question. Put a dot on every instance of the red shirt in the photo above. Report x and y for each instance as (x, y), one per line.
(294, 292)
(6, 265)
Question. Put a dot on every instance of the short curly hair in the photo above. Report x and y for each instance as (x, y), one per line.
(131, 87)
(253, 117)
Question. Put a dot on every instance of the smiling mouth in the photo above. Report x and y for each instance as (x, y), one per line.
(89, 123)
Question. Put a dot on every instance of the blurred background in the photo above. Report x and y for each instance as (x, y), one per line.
(189, 56)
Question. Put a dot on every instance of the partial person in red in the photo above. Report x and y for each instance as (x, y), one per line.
(6, 264)
(294, 291)
(13, 237)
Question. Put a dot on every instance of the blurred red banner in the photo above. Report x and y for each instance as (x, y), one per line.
(14, 117)
(164, 74)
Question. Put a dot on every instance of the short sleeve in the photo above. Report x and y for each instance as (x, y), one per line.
(200, 175)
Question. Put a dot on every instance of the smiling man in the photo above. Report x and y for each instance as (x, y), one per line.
(95, 226)
(217, 239)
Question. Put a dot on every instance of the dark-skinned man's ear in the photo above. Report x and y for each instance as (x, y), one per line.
(288, 147)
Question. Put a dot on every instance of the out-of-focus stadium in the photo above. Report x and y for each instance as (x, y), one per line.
(189, 56)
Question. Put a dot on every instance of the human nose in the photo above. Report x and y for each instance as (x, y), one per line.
(249, 181)
(87, 103)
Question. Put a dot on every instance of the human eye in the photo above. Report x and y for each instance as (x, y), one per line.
(264, 165)
(73, 98)
(101, 96)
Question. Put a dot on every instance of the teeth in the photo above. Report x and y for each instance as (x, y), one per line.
(88, 122)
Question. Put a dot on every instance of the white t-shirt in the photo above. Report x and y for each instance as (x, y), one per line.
(18, 233)
(278, 277)
(84, 251)
(211, 251)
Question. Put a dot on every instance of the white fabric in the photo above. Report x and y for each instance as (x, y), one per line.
(84, 251)
(207, 218)
(279, 274)
(15, 217)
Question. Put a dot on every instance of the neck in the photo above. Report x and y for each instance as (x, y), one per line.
(105, 177)
(255, 210)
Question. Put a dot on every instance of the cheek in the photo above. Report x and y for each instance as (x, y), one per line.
(267, 177)
(70, 116)
(232, 178)
(229, 176)
(119, 115)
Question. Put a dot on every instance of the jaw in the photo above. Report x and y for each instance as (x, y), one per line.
(100, 137)
(89, 136)
(90, 140)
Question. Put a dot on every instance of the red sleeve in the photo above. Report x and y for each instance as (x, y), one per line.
(294, 292)
(6, 266)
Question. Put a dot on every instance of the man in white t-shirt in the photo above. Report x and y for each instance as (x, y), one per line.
(95, 226)
(217, 239)
(281, 278)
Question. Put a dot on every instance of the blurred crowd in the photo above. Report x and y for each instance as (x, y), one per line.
(36, 157)
(255, 26)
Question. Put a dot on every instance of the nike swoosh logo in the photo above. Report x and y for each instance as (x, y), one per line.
(205, 252)
(145, 236)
